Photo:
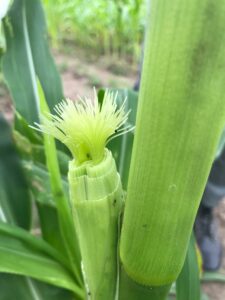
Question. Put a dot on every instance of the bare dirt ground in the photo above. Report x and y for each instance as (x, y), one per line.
(79, 75)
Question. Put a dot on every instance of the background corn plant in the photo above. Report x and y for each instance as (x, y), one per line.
(49, 267)
(116, 26)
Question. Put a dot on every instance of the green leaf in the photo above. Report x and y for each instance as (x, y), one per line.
(21, 125)
(15, 203)
(50, 229)
(23, 254)
(19, 287)
(39, 183)
(188, 282)
(28, 55)
(63, 208)
(31, 148)
(25, 237)
(16, 209)
(26, 51)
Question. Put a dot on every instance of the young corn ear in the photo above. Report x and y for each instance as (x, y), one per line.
(181, 115)
(97, 199)
(96, 194)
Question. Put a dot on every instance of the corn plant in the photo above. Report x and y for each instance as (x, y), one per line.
(106, 234)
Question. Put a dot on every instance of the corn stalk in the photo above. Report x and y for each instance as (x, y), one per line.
(180, 118)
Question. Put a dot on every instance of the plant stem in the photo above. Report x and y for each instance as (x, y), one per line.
(129, 289)
(180, 118)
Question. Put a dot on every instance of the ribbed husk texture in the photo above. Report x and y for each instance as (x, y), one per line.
(97, 200)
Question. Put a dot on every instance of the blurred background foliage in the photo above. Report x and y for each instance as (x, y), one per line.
(105, 27)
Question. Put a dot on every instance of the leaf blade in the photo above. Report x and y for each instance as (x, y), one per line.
(188, 282)
(13, 186)
(27, 49)
(63, 209)
(23, 254)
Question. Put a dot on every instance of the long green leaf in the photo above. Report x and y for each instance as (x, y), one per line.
(21, 125)
(38, 178)
(39, 183)
(22, 254)
(188, 282)
(26, 51)
(15, 203)
(28, 55)
(15, 209)
(25, 237)
(18, 287)
(63, 209)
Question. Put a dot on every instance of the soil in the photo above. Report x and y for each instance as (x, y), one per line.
(80, 73)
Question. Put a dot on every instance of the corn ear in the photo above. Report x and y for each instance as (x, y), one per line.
(85, 126)
(97, 200)
(180, 118)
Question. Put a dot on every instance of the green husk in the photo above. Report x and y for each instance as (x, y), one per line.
(180, 118)
(97, 200)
